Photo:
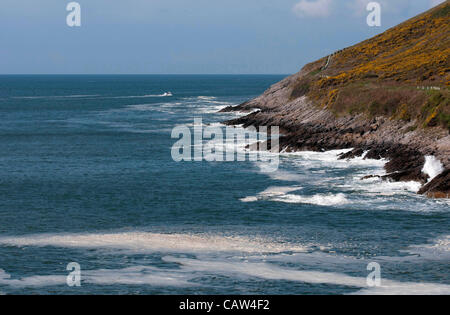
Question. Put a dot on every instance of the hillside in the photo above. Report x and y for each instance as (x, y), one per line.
(389, 74)
(388, 96)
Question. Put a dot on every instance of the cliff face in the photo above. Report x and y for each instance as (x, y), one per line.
(388, 96)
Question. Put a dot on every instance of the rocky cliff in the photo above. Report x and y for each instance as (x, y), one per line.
(387, 97)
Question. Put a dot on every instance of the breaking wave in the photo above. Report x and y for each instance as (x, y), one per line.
(282, 194)
(432, 167)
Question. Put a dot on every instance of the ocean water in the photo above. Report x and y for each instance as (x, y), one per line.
(86, 176)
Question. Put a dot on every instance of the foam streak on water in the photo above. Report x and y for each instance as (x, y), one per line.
(144, 242)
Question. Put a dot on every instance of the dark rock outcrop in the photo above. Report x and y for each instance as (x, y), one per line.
(439, 187)
(307, 127)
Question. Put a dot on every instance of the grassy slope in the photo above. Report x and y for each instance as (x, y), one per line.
(381, 76)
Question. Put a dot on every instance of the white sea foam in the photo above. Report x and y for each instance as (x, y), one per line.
(273, 272)
(319, 165)
(244, 113)
(310, 159)
(254, 266)
(432, 167)
(136, 275)
(211, 109)
(271, 193)
(230, 144)
(207, 98)
(204, 104)
(155, 242)
(281, 194)
(406, 288)
(192, 268)
(278, 191)
(322, 258)
(439, 249)
(380, 187)
(318, 199)
(249, 199)
(287, 176)
(360, 168)
(33, 281)
(265, 271)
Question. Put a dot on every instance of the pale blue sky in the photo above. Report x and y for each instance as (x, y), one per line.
(185, 36)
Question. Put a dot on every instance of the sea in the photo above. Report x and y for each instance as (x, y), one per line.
(93, 202)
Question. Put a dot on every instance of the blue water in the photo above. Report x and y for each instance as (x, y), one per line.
(86, 176)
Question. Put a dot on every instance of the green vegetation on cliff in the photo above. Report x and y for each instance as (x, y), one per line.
(403, 73)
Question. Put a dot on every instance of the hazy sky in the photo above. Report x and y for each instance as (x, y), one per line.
(185, 36)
